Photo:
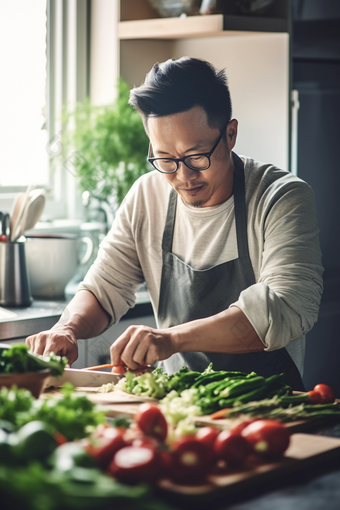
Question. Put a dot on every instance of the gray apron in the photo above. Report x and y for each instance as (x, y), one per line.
(187, 294)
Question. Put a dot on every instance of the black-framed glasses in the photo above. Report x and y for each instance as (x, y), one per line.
(196, 162)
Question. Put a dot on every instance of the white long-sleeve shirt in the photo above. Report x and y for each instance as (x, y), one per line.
(282, 228)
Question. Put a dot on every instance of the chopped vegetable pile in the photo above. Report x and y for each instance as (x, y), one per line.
(17, 359)
(209, 391)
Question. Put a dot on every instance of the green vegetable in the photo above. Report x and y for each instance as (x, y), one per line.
(242, 386)
(36, 488)
(273, 409)
(35, 440)
(72, 414)
(17, 360)
(70, 455)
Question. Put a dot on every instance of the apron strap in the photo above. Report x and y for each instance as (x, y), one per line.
(170, 222)
(240, 207)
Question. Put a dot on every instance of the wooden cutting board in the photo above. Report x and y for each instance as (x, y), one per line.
(294, 426)
(304, 450)
(113, 397)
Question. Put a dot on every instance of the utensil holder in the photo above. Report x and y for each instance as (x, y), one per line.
(15, 287)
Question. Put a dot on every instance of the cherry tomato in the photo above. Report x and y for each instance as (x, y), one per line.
(327, 394)
(60, 438)
(239, 425)
(134, 464)
(146, 442)
(315, 397)
(105, 444)
(118, 369)
(269, 438)
(151, 421)
(232, 448)
(3, 238)
(207, 435)
(191, 460)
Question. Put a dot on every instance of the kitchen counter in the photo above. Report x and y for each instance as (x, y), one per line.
(43, 314)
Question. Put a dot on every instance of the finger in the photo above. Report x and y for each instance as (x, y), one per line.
(136, 349)
(37, 343)
(118, 347)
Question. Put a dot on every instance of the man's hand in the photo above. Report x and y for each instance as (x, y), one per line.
(139, 346)
(60, 341)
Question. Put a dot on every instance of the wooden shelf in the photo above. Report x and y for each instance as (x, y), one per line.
(198, 26)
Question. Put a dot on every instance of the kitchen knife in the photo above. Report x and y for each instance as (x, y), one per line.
(83, 377)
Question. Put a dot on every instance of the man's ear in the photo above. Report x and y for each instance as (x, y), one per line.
(231, 133)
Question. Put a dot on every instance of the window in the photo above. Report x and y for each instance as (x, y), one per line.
(23, 134)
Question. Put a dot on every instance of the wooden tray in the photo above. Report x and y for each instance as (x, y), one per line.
(304, 450)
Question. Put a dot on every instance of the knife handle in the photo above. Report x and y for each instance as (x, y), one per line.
(99, 367)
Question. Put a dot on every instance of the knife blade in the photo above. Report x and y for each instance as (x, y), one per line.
(83, 377)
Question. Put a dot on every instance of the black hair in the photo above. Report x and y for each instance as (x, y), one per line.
(176, 86)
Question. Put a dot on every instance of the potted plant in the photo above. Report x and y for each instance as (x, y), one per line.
(110, 145)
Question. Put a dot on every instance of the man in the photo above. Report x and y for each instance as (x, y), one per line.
(227, 246)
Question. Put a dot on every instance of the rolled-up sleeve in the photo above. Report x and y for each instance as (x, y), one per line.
(283, 304)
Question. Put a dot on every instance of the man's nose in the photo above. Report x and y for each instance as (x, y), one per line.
(184, 173)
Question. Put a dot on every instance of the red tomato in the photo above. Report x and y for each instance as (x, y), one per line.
(207, 435)
(60, 438)
(239, 425)
(315, 397)
(118, 369)
(269, 438)
(151, 421)
(327, 394)
(167, 461)
(191, 460)
(3, 238)
(135, 464)
(105, 444)
(232, 448)
(147, 442)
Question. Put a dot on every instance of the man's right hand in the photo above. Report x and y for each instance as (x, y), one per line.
(60, 341)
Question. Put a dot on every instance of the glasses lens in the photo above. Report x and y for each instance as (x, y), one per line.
(197, 162)
(165, 165)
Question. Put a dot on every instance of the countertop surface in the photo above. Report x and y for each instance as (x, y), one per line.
(43, 314)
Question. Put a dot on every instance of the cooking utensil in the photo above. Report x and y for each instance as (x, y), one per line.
(83, 377)
(99, 367)
(6, 225)
(15, 232)
(33, 210)
(16, 208)
(15, 288)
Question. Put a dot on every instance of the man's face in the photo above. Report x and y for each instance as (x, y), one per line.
(182, 134)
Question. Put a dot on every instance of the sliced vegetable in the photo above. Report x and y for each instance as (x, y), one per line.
(192, 460)
(135, 464)
(118, 369)
(151, 421)
(269, 438)
(103, 445)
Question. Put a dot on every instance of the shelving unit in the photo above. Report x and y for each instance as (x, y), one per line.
(198, 26)
(253, 50)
